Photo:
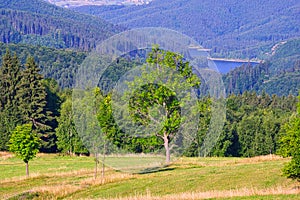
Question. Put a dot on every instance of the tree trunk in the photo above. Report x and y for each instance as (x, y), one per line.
(103, 166)
(96, 164)
(103, 172)
(27, 169)
(166, 145)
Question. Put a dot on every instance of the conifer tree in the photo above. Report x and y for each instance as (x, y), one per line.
(9, 81)
(32, 95)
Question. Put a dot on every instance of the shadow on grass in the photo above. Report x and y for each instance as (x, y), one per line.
(25, 196)
(155, 169)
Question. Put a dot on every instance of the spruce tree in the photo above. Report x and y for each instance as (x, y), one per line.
(31, 99)
(9, 112)
(32, 94)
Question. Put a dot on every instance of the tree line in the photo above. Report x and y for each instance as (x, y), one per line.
(27, 97)
(255, 124)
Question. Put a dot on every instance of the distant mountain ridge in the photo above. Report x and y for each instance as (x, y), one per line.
(40, 23)
(232, 28)
(76, 3)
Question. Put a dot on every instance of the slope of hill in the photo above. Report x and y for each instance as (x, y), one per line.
(189, 178)
(280, 74)
(40, 23)
(60, 65)
(230, 27)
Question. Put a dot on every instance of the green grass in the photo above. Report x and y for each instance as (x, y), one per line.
(54, 176)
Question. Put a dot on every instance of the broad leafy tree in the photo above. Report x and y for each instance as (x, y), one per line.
(24, 143)
(290, 145)
(68, 140)
(159, 90)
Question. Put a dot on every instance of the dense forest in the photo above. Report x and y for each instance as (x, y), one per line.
(230, 28)
(58, 64)
(40, 23)
(280, 74)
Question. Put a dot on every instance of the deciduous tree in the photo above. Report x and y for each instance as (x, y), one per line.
(24, 143)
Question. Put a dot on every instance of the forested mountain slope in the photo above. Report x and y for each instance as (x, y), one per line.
(231, 27)
(280, 74)
(58, 64)
(40, 23)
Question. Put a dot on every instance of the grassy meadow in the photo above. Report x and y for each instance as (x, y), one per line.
(63, 177)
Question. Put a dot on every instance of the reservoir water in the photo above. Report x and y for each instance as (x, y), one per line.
(224, 66)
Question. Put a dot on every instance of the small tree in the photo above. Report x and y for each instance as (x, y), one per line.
(24, 143)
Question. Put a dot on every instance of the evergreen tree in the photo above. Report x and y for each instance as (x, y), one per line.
(53, 105)
(9, 81)
(31, 97)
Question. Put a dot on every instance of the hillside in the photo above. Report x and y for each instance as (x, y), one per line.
(232, 28)
(58, 64)
(188, 178)
(279, 74)
(40, 23)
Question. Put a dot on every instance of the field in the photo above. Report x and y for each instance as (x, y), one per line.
(63, 177)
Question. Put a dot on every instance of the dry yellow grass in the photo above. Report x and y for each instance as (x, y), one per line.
(57, 174)
(213, 194)
(231, 161)
(57, 190)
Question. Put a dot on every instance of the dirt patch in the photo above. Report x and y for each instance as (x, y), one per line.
(5, 155)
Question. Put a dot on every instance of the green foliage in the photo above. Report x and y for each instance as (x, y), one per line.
(52, 110)
(24, 142)
(106, 121)
(31, 97)
(68, 140)
(204, 108)
(290, 145)
(32, 94)
(253, 124)
(157, 86)
(10, 75)
(24, 100)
